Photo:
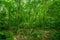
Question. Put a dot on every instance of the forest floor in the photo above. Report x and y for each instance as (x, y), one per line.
(35, 34)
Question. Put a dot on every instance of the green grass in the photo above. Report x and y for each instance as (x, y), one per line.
(33, 20)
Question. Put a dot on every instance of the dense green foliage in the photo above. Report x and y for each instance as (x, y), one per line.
(30, 14)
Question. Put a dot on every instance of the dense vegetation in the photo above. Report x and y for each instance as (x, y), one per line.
(33, 19)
